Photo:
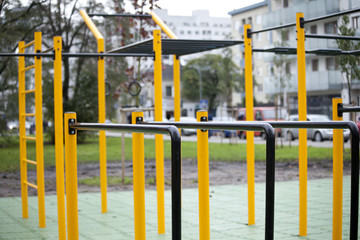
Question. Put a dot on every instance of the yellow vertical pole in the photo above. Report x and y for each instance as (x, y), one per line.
(249, 99)
(203, 178)
(159, 141)
(338, 145)
(102, 136)
(59, 138)
(138, 180)
(22, 132)
(71, 178)
(302, 117)
(177, 103)
(39, 132)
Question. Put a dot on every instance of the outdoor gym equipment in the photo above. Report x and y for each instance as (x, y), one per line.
(71, 126)
(203, 166)
(300, 51)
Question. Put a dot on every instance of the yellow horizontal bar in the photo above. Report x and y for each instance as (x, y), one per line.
(30, 161)
(28, 91)
(29, 44)
(29, 114)
(30, 185)
(30, 138)
(28, 68)
(91, 25)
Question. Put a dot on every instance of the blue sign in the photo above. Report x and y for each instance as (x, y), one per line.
(203, 104)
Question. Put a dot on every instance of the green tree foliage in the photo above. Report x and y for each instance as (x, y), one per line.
(219, 77)
(349, 64)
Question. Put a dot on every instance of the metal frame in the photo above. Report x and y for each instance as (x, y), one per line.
(175, 160)
(341, 109)
(354, 202)
(270, 158)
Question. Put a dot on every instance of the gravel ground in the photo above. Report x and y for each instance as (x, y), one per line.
(220, 173)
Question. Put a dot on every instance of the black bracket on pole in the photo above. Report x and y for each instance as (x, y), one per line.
(302, 22)
(38, 51)
(340, 108)
(203, 119)
(248, 32)
(72, 131)
(101, 57)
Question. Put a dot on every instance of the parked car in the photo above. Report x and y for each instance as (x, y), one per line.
(224, 133)
(317, 135)
(186, 132)
(261, 114)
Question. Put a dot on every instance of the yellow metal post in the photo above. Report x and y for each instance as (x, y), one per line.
(101, 108)
(39, 132)
(22, 133)
(302, 117)
(177, 103)
(159, 142)
(71, 178)
(249, 100)
(59, 139)
(203, 178)
(338, 145)
(138, 180)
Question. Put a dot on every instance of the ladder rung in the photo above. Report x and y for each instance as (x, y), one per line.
(30, 161)
(30, 138)
(30, 184)
(29, 114)
(28, 91)
(29, 44)
(28, 68)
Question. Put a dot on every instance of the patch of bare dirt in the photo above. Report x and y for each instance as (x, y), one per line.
(220, 173)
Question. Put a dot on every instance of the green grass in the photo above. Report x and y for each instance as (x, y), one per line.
(89, 152)
(111, 181)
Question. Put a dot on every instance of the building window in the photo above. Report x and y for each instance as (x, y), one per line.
(356, 22)
(168, 91)
(331, 63)
(249, 20)
(217, 33)
(331, 28)
(260, 87)
(181, 32)
(313, 29)
(189, 32)
(315, 65)
(187, 24)
(209, 32)
(258, 20)
(196, 32)
(287, 68)
(285, 3)
(243, 21)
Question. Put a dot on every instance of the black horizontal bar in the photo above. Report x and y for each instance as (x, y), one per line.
(342, 109)
(322, 36)
(270, 159)
(78, 54)
(175, 160)
(120, 15)
(306, 21)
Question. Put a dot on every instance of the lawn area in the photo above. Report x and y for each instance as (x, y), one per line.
(89, 152)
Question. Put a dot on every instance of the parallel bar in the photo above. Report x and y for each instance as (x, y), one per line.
(28, 68)
(28, 91)
(29, 114)
(71, 178)
(250, 149)
(30, 161)
(338, 149)
(29, 44)
(77, 55)
(342, 109)
(119, 15)
(322, 36)
(29, 138)
(31, 185)
(138, 180)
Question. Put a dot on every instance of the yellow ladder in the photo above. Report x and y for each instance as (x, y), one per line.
(38, 127)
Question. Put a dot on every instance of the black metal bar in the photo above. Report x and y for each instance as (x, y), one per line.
(270, 159)
(326, 36)
(175, 160)
(306, 21)
(78, 54)
(119, 15)
(354, 201)
(342, 109)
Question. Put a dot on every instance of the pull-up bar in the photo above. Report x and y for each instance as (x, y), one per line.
(306, 21)
(322, 36)
(119, 15)
(321, 51)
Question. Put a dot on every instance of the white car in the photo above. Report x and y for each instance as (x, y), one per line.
(317, 135)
